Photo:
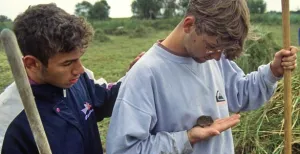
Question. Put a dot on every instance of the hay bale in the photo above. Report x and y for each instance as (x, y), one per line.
(261, 131)
(259, 49)
(141, 31)
(100, 36)
(120, 31)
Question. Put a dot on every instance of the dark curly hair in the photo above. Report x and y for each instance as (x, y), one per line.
(229, 20)
(45, 30)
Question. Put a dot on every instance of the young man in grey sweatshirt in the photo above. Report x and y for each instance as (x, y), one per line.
(188, 75)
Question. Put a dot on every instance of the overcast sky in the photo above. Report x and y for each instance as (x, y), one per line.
(119, 8)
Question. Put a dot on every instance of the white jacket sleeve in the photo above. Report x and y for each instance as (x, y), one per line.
(10, 107)
(247, 92)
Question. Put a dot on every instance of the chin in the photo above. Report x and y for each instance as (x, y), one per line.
(65, 86)
(199, 60)
(68, 86)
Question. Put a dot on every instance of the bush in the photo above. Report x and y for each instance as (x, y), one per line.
(5, 25)
(120, 31)
(108, 31)
(259, 49)
(100, 36)
(141, 31)
(165, 24)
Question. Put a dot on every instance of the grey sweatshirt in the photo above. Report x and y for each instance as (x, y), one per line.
(163, 95)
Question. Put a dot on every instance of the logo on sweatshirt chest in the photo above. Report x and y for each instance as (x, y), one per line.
(219, 98)
(87, 110)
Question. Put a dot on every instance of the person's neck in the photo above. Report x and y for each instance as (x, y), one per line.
(174, 42)
(33, 78)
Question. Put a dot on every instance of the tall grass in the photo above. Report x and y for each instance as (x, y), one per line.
(259, 49)
(273, 18)
(262, 131)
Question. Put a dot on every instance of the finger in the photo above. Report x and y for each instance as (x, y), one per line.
(232, 117)
(135, 60)
(213, 132)
(237, 115)
(226, 124)
(286, 53)
(281, 53)
(227, 119)
(197, 133)
(230, 123)
(290, 58)
(141, 54)
(290, 67)
(221, 120)
(294, 49)
(287, 64)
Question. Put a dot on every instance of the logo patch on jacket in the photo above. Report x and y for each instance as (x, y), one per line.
(87, 110)
(219, 98)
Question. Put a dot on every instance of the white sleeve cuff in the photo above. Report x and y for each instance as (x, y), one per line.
(269, 77)
(182, 142)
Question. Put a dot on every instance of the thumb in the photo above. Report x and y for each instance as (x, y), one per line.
(141, 54)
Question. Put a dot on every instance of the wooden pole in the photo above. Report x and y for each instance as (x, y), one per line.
(287, 80)
(15, 61)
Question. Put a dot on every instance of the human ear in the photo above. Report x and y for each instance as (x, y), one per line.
(32, 63)
(188, 24)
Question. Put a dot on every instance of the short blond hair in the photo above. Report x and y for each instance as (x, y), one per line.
(229, 20)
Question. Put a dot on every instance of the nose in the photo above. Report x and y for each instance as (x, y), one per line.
(78, 68)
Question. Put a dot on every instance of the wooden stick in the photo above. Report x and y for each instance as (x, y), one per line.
(15, 61)
(287, 80)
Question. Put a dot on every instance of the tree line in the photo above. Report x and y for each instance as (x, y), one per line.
(149, 9)
(152, 9)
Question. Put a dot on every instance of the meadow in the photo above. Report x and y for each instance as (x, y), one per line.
(118, 41)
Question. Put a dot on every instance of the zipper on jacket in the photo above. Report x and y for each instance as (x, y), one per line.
(65, 93)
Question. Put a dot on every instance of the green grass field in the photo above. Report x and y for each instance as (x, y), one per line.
(111, 59)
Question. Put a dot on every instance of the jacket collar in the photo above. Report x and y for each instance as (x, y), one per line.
(47, 92)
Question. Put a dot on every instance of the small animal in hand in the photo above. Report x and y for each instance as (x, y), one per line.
(204, 121)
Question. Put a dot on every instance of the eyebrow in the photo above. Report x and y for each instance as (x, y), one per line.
(70, 60)
(211, 45)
